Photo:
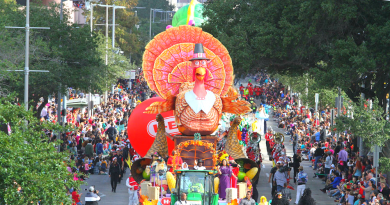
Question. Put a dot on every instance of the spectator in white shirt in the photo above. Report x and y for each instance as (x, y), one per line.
(183, 199)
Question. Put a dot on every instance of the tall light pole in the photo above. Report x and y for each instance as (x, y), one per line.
(27, 53)
(113, 23)
(150, 22)
(137, 26)
(91, 18)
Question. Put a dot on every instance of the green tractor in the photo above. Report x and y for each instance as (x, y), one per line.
(197, 184)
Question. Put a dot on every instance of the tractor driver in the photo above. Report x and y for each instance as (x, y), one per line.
(183, 199)
(195, 186)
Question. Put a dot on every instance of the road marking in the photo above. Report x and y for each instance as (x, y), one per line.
(263, 166)
(267, 174)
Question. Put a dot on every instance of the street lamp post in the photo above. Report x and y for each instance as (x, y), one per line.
(113, 23)
(150, 22)
(27, 53)
(91, 18)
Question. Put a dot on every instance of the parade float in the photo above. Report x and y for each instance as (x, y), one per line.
(192, 73)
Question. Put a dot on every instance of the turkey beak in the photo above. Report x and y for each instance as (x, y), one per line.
(200, 73)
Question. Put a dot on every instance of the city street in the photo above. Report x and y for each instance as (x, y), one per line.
(314, 184)
(82, 81)
(102, 182)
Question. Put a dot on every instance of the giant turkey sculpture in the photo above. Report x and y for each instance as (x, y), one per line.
(193, 72)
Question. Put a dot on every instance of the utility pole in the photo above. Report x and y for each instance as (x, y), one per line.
(137, 26)
(361, 145)
(150, 22)
(113, 35)
(61, 11)
(113, 23)
(106, 59)
(27, 53)
(338, 110)
(91, 18)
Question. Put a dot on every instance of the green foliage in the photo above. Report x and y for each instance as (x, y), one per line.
(126, 35)
(384, 165)
(370, 124)
(159, 25)
(73, 57)
(30, 162)
(349, 37)
(128, 38)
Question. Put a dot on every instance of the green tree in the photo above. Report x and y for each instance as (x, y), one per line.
(339, 43)
(73, 57)
(30, 162)
(370, 124)
(127, 38)
(160, 22)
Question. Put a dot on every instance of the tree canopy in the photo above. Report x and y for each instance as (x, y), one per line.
(371, 125)
(73, 57)
(31, 168)
(340, 43)
(130, 39)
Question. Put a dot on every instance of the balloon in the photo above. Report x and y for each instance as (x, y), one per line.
(146, 175)
(181, 16)
(142, 127)
(241, 176)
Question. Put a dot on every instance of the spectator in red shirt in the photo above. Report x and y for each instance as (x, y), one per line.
(250, 89)
(257, 91)
(241, 89)
(249, 83)
(76, 197)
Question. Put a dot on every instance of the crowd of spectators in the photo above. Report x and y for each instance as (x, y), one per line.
(348, 176)
(78, 4)
(101, 138)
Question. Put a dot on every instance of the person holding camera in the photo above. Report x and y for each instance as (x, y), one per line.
(92, 197)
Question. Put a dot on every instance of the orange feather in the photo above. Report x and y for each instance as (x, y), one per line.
(164, 106)
(235, 107)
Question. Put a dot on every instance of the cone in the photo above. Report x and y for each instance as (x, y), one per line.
(233, 147)
(160, 144)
